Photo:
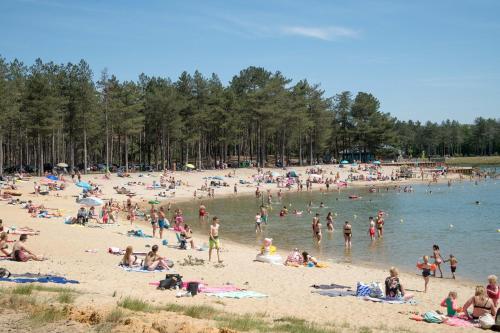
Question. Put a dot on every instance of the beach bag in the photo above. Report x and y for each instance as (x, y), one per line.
(4, 273)
(486, 321)
(192, 287)
(432, 317)
(362, 289)
(376, 290)
(171, 281)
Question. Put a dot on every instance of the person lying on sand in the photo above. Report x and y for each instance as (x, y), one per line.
(21, 253)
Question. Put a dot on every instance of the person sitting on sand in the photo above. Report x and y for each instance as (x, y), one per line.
(153, 261)
(294, 259)
(129, 259)
(187, 235)
(3, 244)
(493, 289)
(481, 304)
(21, 253)
(450, 304)
(308, 259)
(82, 216)
(393, 287)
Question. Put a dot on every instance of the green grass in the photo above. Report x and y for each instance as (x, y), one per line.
(365, 329)
(24, 289)
(115, 315)
(476, 160)
(46, 314)
(66, 297)
(135, 304)
(200, 311)
(243, 323)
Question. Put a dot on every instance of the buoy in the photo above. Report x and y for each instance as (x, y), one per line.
(401, 220)
(335, 214)
(451, 226)
(498, 230)
(355, 216)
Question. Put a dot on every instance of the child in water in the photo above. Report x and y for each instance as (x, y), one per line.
(371, 230)
(450, 304)
(453, 264)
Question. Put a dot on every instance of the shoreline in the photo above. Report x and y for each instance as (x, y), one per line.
(287, 288)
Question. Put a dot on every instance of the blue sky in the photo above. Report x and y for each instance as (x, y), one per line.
(424, 60)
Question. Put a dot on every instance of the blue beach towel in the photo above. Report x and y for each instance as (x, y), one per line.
(46, 279)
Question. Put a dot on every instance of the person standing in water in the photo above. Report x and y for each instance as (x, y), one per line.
(438, 260)
(380, 224)
(329, 221)
(316, 227)
(202, 213)
(264, 214)
(258, 221)
(213, 239)
(371, 230)
(347, 234)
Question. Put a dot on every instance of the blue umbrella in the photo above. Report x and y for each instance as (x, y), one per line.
(84, 185)
(376, 162)
(91, 201)
(52, 177)
(344, 162)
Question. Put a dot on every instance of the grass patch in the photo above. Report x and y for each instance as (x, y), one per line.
(365, 329)
(477, 160)
(298, 325)
(24, 289)
(243, 323)
(66, 297)
(44, 315)
(135, 304)
(115, 315)
(201, 311)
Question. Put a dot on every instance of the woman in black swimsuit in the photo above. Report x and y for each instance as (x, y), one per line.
(481, 304)
(347, 234)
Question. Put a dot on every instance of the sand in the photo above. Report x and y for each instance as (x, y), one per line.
(104, 283)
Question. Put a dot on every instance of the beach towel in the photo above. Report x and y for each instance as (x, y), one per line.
(389, 300)
(458, 322)
(238, 294)
(335, 293)
(329, 286)
(142, 270)
(45, 279)
(213, 290)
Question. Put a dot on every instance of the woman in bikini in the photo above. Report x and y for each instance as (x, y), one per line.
(481, 304)
(329, 221)
(21, 253)
(153, 261)
(129, 259)
(438, 260)
(347, 234)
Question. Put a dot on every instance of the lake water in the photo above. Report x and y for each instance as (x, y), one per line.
(415, 221)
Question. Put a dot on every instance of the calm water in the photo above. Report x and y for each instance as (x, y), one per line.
(414, 223)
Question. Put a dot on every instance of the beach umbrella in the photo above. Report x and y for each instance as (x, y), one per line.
(218, 177)
(275, 174)
(354, 164)
(62, 165)
(376, 162)
(153, 202)
(84, 185)
(190, 166)
(47, 181)
(91, 201)
(344, 162)
(52, 177)
(292, 173)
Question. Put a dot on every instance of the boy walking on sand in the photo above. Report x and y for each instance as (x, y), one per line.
(213, 239)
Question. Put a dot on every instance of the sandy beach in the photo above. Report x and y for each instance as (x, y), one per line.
(80, 253)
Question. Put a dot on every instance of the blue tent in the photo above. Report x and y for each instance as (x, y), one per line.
(52, 177)
(376, 162)
(344, 162)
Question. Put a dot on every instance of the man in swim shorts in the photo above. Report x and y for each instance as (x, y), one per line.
(213, 239)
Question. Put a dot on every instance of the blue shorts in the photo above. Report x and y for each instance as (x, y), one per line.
(163, 224)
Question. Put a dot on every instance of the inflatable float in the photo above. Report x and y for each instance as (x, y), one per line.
(275, 259)
(354, 197)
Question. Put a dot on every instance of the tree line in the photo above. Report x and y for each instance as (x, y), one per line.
(54, 113)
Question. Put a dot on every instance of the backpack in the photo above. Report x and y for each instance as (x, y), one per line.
(171, 281)
(4, 273)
